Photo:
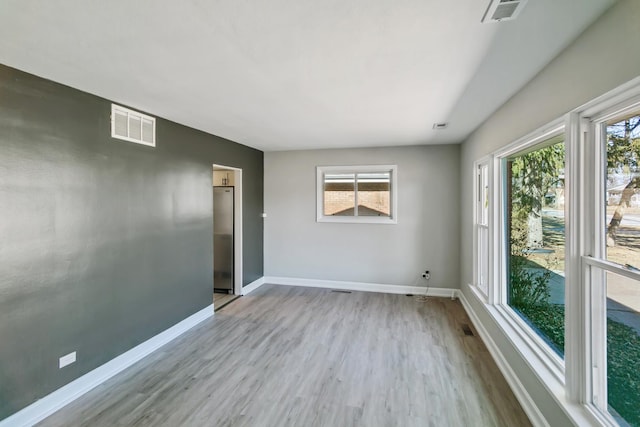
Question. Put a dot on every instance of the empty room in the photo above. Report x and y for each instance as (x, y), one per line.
(306, 213)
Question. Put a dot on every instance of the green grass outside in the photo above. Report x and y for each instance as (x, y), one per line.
(623, 356)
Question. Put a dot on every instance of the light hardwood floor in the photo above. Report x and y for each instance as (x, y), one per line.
(292, 356)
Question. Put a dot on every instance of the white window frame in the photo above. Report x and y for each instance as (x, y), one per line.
(132, 113)
(593, 123)
(578, 382)
(554, 364)
(482, 225)
(321, 217)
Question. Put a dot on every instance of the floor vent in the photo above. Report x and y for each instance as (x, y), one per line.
(467, 330)
(340, 291)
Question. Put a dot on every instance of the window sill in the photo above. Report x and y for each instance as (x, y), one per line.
(544, 368)
(358, 220)
(480, 294)
(528, 336)
(534, 342)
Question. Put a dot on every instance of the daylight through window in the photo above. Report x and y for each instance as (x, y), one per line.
(356, 194)
(535, 238)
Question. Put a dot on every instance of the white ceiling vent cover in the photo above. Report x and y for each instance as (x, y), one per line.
(132, 126)
(503, 10)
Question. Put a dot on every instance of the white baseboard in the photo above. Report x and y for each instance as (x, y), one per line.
(253, 286)
(528, 405)
(361, 286)
(56, 400)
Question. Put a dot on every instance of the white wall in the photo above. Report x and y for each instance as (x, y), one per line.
(426, 235)
(602, 58)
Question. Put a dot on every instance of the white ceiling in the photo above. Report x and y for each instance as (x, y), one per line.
(295, 74)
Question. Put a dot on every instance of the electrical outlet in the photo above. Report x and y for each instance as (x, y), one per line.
(426, 275)
(67, 360)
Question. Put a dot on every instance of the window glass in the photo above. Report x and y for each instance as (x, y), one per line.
(623, 192)
(357, 194)
(339, 194)
(535, 238)
(374, 191)
(483, 259)
(482, 227)
(623, 348)
(483, 194)
(622, 232)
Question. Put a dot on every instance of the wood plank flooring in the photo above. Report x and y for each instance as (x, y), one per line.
(293, 356)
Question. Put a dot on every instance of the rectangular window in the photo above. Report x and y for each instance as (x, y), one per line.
(535, 238)
(132, 126)
(357, 194)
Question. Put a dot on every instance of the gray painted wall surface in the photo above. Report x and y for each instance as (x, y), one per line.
(103, 243)
(599, 60)
(426, 235)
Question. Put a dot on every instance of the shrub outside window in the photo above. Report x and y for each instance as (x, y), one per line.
(535, 238)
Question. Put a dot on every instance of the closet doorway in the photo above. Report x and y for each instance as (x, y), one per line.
(227, 235)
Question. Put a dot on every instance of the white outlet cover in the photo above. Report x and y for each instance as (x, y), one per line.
(67, 360)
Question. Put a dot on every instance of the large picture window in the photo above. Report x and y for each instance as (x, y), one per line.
(357, 194)
(535, 224)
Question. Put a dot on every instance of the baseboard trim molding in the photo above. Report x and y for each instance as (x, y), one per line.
(253, 286)
(58, 399)
(362, 286)
(528, 405)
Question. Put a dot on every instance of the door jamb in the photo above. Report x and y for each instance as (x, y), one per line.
(237, 226)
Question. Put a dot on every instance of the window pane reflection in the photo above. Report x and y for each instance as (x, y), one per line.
(536, 230)
(623, 348)
(374, 190)
(623, 192)
(339, 194)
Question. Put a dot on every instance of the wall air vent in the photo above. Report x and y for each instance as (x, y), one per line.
(503, 10)
(132, 126)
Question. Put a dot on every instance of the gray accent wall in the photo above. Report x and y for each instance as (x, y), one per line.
(602, 58)
(426, 235)
(103, 243)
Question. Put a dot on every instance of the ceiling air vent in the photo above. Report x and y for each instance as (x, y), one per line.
(503, 10)
(132, 126)
(440, 126)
